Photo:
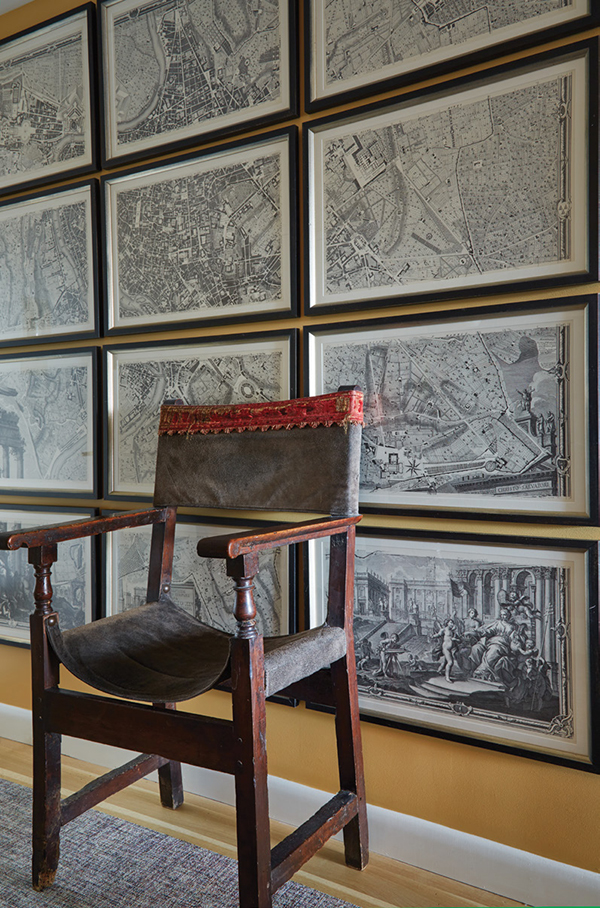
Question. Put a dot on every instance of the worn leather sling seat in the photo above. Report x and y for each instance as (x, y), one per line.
(159, 652)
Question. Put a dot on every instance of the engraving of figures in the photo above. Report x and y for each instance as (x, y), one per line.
(500, 647)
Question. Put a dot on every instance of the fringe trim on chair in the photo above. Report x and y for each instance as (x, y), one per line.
(342, 408)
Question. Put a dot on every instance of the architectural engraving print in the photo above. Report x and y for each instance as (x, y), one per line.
(471, 189)
(473, 639)
(177, 68)
(47, 423)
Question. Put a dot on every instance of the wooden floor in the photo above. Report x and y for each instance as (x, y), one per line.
(383, 884)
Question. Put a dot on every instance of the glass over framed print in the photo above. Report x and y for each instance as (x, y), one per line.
(224, 370)
(482, 638)
(73, 589)
(200, 585)
(355, 47)
(48, 423)
(486, 182)
(49, 266)
(490, 413)
(178, 71)
(47, 124)
(204, 237)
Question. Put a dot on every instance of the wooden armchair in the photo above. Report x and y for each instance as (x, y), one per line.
(292, 455)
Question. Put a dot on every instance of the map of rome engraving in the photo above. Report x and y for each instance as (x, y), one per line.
(200, 585)
(488, 412)
(44, 103)
(46, 276)
(215, 374)
(46, 423)
(365, 40)
(203, 239)
(181, 67)
(71, 576)
(469, 191)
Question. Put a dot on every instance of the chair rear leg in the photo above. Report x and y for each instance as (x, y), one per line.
(350, 759)
(170, 783)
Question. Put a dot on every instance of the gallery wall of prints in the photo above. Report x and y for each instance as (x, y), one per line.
(264, 201)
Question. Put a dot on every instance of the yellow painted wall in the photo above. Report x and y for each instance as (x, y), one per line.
(549, 810)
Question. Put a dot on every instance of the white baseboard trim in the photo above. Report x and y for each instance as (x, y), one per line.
(479, 862)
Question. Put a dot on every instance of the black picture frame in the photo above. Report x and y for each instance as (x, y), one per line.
(73, 574)
(181, 263)
(535, 580)
(366, 34)
(269, 93)
(75, 125)
(49, 262)
(487, 413)
(390, 219)
(49, 422)
(140, 376)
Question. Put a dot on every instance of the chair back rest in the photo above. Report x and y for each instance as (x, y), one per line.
(297, 455)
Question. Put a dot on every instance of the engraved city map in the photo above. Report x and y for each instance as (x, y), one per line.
(363, 40)
(143, 381)
(44, 103)
(46, 423)
(71, 576)
(203, 240)
(179, 64)
(488, 412)
(199, 585)
(46, 280)
(470, 192)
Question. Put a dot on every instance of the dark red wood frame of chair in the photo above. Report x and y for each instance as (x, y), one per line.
(169, 737)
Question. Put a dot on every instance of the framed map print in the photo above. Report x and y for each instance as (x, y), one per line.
(48, 423)
(360, 47)
(489, 414)
(211, 236)
(49, 266)
(47, 123)
(488, 182)
(227, 370)
(200, 585)
(483, 639)
(72, 585)
(178, 71)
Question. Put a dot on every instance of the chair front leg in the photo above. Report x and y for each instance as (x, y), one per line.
(46, 746)
(249, 723)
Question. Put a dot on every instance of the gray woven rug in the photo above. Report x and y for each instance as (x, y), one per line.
(110, 863)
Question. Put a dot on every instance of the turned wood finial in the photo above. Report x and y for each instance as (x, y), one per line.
(42, 558)
(243, 569)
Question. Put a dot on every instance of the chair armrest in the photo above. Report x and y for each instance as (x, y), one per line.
(53, 533)
(235, 544)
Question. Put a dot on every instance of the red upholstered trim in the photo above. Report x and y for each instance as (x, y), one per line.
(342, 408)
